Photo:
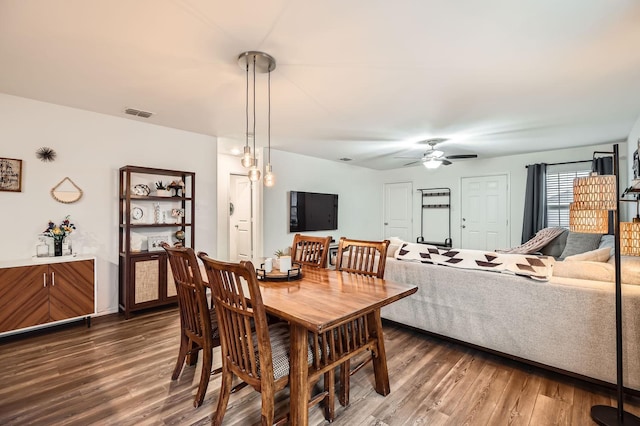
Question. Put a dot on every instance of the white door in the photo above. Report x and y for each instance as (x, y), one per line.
(398, 214)
(239, 218)
(484, 213)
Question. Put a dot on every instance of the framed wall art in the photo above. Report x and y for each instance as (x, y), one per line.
(10, 174)
(154, 242)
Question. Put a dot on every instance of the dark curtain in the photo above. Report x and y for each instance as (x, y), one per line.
(535, 201)
(604, 166)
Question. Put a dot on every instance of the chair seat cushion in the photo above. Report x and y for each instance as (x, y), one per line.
(280, 350)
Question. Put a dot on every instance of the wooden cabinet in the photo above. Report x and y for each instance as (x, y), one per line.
(33, 295)
(146, 218)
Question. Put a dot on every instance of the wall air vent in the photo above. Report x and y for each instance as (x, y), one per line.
(138, 113)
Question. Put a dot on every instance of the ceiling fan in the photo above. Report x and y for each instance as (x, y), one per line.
(434, 158)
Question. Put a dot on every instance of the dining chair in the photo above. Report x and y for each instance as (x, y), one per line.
(310, 251)
(198, 322)
(364, 258)
(252, 349)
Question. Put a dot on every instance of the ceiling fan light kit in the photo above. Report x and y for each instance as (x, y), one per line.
(434, 158)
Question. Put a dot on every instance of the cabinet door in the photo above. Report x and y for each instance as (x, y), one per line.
(24, 297)
(71, 292)
(146, 278)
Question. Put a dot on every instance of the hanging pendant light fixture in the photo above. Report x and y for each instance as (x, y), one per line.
(262, 63)
(269, 178)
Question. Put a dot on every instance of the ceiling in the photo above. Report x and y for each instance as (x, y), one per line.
(363, 79)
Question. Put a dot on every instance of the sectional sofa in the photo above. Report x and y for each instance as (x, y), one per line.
(566, 323)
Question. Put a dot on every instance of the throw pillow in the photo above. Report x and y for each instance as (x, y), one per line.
(556, 246)
(578, 242)
(597, 255)
(607, 241)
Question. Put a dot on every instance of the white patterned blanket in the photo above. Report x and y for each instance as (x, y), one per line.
(535, 267)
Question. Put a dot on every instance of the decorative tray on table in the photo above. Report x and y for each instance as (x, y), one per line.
(295, 273)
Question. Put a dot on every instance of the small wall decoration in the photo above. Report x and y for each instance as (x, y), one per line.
(10, 175)
(46, 154)
(66, 191)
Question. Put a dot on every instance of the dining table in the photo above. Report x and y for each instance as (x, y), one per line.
(320, 301)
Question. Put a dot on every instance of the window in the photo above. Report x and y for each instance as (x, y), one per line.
(560, 195)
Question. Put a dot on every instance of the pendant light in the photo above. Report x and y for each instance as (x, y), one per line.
(269, 178)
(247, 159)
(262, 63)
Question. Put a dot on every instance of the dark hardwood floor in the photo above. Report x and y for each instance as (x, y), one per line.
(118, 373)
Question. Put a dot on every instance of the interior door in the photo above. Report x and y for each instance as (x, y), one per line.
(398, 214)
(484, 213)
(240, 218)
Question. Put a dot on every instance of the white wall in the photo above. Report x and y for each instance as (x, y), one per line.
(513, 166)
(359, 198)
(91, 148)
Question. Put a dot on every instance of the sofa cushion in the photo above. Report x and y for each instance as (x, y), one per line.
(394, 245)
(629, 269)
(556, 246)
(585, 270)
(578, 242)
(597, 255)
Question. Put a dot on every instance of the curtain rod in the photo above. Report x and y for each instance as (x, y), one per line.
(559, 164)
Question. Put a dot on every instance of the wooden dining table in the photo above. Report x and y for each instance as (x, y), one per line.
(321, 300)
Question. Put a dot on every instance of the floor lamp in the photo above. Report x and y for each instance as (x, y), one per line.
(593, 197)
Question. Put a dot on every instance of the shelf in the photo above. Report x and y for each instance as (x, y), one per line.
(435, 194)
(155, 198)
(155, 225)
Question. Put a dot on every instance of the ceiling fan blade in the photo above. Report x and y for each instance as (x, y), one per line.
(461, 156)
(446, 162)
(413, 162)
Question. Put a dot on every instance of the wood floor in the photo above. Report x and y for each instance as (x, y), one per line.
(118, 373)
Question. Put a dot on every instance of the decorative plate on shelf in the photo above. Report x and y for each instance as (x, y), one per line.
(141, 189)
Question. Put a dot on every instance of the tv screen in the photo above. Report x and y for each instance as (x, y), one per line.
(311, 211)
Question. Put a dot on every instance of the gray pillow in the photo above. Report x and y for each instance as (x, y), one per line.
(578, 242)
(556, 246)
(607, 241)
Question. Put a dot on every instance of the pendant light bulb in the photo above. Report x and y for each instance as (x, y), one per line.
(247, 158)
(269, 177)
(254, 174)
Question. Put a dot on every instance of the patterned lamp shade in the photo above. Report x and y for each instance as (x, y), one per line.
(630, 238)
(595, 192)
(588, 221)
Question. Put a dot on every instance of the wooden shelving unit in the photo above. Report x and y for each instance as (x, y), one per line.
(145, 280)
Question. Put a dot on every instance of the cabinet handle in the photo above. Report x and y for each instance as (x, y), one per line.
(44, 279)
(53, 279)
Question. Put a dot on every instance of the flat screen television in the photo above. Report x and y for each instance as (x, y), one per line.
(312, 211)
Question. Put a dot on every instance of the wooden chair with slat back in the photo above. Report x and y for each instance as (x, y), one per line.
(198, 321)
(252, 349)
(365, 258)
(310, 251)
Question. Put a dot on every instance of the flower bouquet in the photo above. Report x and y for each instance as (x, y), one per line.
(59, 233)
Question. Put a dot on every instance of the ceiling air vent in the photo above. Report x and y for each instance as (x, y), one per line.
(138, 113)
(345, 159)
